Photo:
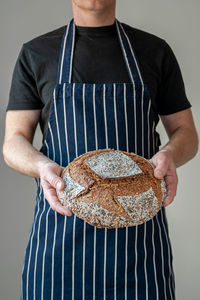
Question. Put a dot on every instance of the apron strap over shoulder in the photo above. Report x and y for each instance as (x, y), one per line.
(129, 55)
(67, 51)
(66, 54)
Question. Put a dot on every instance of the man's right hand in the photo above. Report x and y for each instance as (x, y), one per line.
(20, 155)
(50, 180)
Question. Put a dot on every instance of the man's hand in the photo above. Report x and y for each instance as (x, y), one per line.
(50, 180)
(165, 168)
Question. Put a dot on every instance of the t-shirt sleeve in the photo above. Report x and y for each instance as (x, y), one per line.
(171, 96)
(23, 94)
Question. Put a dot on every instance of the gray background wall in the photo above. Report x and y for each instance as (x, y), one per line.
(176, 21)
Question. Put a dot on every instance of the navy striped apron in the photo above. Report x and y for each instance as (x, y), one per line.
(66, 258)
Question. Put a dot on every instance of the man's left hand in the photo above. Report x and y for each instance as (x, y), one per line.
(165, 168)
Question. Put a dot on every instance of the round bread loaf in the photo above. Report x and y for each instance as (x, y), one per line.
(111, 188)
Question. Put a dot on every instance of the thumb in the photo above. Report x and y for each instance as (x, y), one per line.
(56, 181)
(159, 172)
(161, 166)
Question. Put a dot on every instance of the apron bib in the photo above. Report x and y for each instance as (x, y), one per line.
(66, 258)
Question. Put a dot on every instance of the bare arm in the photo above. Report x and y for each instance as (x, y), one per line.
(181, 147)
(20, 155)
(18, 151)
(183, 137)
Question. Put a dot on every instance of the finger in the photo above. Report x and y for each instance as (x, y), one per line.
(171, 183)
(56, 205)
(51, 196)
(169, 198)
(56, 181)
(161, 162)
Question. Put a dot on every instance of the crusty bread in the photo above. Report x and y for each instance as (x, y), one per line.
(111, 188)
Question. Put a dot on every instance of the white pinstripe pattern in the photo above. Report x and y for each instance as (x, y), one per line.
(84, 225)
(142, 113)
(135, 62)
(83, 282)
(63, 53)
(95, 123)
(154, 262)
(156, 283)
(125, 55)
(116, 229)
(84, 118)
(105, 118)
(115, 114)
(37, 247)
(145, 261)
(94, 263)
(126, 239)
(72, 54)
(133, 55)
(65, 217)
(30, 232)
(168, 250)
(44, 253)
(55, 227)
(145, 252)
(173, 281)
(136, 279)
(30, 251)
(115, 270)
(105, 231)
(45, 244)
(74, 221)
(52, 139)
(74, 116)
(65, 122)
(139, 76)
(73, 255)
(148, 130)
(126, 262)
(104, 269)
(125, 116)
(135, 122)
(53, 254)
(63, 258)
(153, 137)
(96, 145)
(58, 132)
(161, 244)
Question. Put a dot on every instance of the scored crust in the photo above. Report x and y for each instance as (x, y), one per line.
(111, 202)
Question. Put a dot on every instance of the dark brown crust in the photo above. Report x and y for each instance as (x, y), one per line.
(102, 190)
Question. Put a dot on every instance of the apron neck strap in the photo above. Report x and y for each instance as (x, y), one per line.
(67, 51)
(66, 54)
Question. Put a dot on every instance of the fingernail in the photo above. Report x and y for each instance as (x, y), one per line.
(59, 184)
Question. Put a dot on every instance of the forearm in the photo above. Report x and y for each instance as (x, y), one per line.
(182, 145)
(21, 156)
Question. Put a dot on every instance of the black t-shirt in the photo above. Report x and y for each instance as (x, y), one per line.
(97, 58)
